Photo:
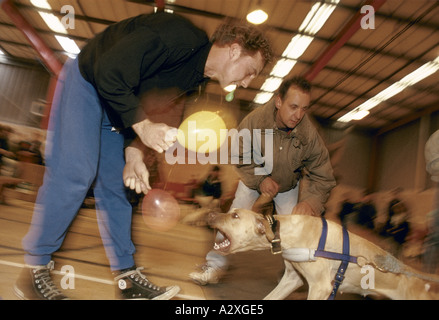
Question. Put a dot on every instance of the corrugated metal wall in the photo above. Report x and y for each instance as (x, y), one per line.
(20, 85)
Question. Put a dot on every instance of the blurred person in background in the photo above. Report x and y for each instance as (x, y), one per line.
(431, 243)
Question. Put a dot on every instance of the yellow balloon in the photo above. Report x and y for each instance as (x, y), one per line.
(202, 131)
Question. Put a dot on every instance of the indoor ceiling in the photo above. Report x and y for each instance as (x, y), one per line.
(350, 61)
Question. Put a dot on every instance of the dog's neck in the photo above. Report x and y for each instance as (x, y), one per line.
(293, 225)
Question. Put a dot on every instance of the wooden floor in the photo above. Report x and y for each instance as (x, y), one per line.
(168, 258)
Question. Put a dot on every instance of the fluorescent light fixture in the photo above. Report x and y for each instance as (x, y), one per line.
(68, 45)
(271, 84)
(166, 10)
(263, 97)
(360, 114)
(43, 4)
(53, 22)
(283, 68)
(56, 25)
(313, 22)
(422, 72)
(1, 52)
(317, 16)
(297, 46)
(354, 115)
(50, 19)
(230, 88)
(419, 74)
(257, 16)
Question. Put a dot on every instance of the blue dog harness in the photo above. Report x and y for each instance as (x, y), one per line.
(345, 257)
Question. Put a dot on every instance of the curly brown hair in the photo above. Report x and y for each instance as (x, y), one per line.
(248, 36)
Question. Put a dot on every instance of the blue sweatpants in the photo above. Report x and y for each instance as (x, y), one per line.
(81, 149)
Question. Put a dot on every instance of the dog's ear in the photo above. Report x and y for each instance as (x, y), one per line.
(263, 227)
(260, 227)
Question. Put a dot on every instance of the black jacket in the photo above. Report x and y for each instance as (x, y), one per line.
(155, 51)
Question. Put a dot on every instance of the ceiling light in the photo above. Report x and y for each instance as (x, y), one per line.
(43, 4)
(53, 22)
(297, 46)
(419, 74)
(50, 19)
(68, 45)
(166, 10)
(354, 115)
(56, 25)
(422, 72)
(257, 16)
(263, 97)
(317, 17)
(271, 84)
(360, 114)
(1, 52)
(230, 88)
(313, 22)
(283, 67)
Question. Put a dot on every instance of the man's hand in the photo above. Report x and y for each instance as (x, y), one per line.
(157, 136)
(135, 173)
(303, 208)
(269, 186)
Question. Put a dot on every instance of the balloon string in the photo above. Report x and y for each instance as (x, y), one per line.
(167, 178)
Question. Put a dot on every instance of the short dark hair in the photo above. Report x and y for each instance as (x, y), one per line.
(250, 37)
(299, 82)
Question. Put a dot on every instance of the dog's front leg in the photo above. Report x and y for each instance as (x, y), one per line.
(289, 282)
(319, 291)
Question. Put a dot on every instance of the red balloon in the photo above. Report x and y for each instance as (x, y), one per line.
(160, 210)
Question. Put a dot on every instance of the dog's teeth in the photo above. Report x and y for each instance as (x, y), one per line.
(222, 245)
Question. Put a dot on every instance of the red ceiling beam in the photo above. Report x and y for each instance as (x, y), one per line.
(342, 37)
(46, 54)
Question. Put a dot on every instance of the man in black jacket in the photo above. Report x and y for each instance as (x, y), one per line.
(97, 131)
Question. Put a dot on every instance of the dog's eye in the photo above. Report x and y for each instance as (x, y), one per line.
(235, 215)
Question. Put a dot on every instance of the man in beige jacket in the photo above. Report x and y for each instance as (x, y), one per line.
(288, 150)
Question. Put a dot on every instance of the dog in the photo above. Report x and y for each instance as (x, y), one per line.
(245, 230)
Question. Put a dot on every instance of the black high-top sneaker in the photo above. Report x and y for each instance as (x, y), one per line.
(132, 284)
(35, 283)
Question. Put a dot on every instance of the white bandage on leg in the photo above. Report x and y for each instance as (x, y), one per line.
(298, 254)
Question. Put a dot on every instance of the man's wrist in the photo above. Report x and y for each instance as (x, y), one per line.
(137, 127)
(133, 153)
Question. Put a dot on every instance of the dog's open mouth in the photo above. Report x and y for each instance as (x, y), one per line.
(224, 245)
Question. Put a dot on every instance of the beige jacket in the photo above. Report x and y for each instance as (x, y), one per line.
(299, 154)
